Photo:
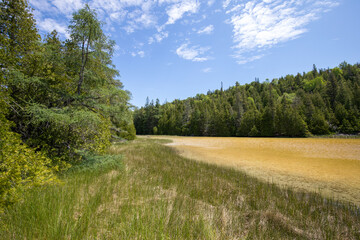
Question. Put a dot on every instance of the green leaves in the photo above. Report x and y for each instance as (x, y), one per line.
(20, 166)
(18, 34)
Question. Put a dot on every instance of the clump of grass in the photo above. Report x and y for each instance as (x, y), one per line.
(67, 210)
(156, 194)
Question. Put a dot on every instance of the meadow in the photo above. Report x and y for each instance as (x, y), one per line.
(145, 190)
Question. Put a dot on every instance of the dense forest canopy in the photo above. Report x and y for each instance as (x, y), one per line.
(59, 100)
(318, 102)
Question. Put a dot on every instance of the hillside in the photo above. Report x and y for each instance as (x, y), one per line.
(319, 102)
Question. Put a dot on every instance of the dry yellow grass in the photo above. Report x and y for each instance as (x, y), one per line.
(328, 166)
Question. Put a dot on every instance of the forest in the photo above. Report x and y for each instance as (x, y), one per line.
(318, 102)
(60, 101)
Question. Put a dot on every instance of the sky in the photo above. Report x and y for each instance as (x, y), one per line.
(175, 49)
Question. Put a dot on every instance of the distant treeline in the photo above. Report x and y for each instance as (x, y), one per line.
(319, 102)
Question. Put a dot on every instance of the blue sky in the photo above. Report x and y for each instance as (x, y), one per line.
(174, 49)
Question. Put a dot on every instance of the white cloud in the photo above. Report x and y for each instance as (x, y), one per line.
(206, 30)
(145, 20)
(117, 15)
(210, 2)
(138, 53)
(327, 3)
(259, 25)
(67, 7)
(176, 11)
(48, 25)
(207, 70)
(42, 5)
(47, 13)
(242, 60)
(168, 1)
(138, 19)
(141, 54)
(226, 3)
(195, 53)
(129, 15)
(109, 6)
(158, 37)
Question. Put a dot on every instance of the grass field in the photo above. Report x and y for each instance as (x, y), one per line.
(144, 190)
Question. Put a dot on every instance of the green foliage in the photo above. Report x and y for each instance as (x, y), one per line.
(289, 122)
(126, 131)
(316, 84)
(155, 130)
(58, 98)
(18, 35)
(20, 166)
(317, 102)
(318, 124)
(60, 112)
(248, 124)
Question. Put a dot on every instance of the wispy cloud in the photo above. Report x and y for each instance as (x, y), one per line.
(43, 5)
(158, 37)
(67, 7)
(54, 14)
(210, 2)
(206, 30)
(138, 53)
(139, 20)
(176, 11)
(243, 60)
(207, 70)
(226, 3)
(130, 15)
(194, 53)
(141, 54)
(118, 16)
(48, 25)
(259, 25)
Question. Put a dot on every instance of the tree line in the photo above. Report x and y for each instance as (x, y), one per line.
(59, 99)
(319, 102)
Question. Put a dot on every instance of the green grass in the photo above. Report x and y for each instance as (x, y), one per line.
(153, 193)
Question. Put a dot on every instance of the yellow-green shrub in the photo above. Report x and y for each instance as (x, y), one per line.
(20, 166)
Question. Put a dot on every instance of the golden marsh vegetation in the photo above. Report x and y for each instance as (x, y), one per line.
(328, 166)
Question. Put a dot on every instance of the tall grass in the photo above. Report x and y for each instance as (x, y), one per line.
(153, 193)
(67, 210)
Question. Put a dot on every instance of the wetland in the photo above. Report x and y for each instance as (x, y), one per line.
(330, 167)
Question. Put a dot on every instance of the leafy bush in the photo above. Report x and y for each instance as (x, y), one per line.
(20, 166)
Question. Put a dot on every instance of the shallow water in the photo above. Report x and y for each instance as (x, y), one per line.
(328, 166)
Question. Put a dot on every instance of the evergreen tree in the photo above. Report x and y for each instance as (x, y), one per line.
(20, 166)
(294, 106)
